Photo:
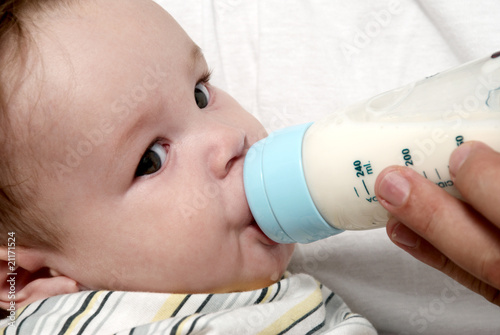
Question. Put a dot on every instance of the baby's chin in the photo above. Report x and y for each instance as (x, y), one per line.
(254, 284)
(267, 278)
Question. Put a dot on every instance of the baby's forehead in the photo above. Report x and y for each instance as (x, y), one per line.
(72, 128)
(46, 118)
(86, 77)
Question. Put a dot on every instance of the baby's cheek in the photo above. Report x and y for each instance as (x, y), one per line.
(289, 251)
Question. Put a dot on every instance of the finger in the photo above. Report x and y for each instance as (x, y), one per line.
(414, 244)
(450, 225)
(425, 252)
(475, 169)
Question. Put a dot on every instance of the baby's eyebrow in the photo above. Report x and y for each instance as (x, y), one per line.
(195, 57)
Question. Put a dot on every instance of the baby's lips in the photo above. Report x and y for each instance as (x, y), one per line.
(265, 239)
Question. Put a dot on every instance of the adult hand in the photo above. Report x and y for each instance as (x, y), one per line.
(459, 238)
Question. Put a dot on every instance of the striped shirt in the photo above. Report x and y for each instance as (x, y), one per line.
(297, 304)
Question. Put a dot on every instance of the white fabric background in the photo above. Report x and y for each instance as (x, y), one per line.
(295, 61)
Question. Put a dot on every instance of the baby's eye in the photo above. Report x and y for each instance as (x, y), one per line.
(152, 160)
(201, 95)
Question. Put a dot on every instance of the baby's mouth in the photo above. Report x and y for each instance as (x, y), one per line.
(263, 237)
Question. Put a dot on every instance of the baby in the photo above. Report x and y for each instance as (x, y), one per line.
(121, 170)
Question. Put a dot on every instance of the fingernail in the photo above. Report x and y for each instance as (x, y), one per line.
(394, 188)
(458, 157)
(405, 236)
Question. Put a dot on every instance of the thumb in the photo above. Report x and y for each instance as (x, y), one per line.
(415, 204)
(440, 230)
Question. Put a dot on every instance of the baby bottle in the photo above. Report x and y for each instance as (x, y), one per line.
(311, 181)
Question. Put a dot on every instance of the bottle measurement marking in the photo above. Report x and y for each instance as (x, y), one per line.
(437, 172)
(362, 170)
(366, 188)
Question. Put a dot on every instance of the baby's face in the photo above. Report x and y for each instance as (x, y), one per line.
(145, 158)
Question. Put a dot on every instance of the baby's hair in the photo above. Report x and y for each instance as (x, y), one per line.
(18, 212)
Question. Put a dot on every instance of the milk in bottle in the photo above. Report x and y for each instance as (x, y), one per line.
(311, 181)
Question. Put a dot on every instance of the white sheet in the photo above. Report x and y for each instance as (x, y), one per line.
(294, 61)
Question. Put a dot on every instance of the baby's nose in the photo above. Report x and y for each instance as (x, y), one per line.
(224, 147)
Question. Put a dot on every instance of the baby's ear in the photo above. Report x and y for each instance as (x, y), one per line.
(25, 278)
